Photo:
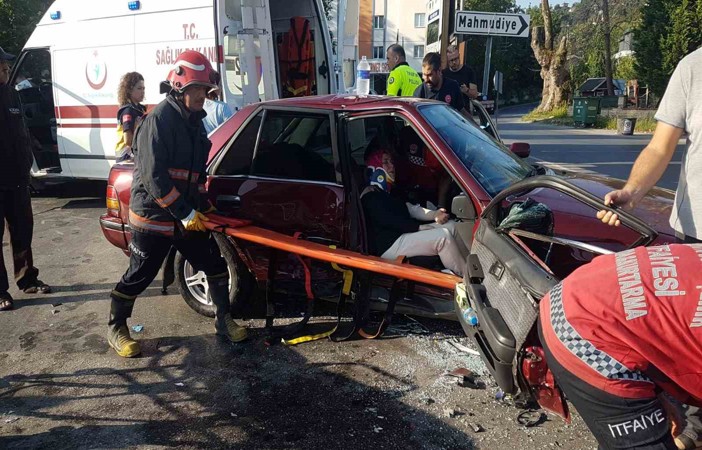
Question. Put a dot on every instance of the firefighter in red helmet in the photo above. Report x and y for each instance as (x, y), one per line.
(168, 200)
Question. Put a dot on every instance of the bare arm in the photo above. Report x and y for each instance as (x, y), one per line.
(128, 138)
(647, 170)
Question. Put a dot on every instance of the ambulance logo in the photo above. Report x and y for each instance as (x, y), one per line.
(96, 72)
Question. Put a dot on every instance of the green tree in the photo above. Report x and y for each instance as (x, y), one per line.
(626, 69)
(17, 21)
(669, 30)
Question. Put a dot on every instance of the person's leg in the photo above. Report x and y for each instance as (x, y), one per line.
(203, 254)
(6, 301)
(20, 224)
(437, 241)
(616, 422)
(147, 255)
(451, 226)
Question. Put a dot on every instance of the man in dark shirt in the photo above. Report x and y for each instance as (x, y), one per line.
(461, 74)
(397, 228)
(15, 202)
(436, 87)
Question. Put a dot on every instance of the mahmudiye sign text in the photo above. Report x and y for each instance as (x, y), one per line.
(492, 24)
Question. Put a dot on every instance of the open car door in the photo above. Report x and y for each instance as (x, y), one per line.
(511, 267)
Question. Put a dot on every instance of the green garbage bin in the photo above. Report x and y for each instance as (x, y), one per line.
(585, 111)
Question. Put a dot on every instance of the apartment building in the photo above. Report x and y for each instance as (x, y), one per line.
(385, 22)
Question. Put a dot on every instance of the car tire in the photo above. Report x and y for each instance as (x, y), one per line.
(193, 284)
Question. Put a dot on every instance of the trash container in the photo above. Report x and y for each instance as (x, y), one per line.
(626, 126)
(585, 110)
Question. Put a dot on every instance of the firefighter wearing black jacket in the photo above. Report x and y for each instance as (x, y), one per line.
(15, 202)
(167, 195)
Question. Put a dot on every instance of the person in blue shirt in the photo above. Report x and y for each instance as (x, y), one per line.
(217, 111)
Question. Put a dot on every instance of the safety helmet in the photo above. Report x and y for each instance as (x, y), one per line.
(192, 68)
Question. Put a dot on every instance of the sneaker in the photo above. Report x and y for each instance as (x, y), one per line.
(230, 329)
(120, 340)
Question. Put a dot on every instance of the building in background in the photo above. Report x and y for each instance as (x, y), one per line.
(385, 22)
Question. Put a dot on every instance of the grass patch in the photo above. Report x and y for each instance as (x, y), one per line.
(559, 113)
(559, 116)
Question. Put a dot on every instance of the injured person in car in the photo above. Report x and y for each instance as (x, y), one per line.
(398, 228)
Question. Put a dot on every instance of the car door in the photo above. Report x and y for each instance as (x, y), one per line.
(279, 171)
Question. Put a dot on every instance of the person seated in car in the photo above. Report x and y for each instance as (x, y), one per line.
(397, 228)
(420, 171)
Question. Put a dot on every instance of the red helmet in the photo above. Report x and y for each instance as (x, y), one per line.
(190, 68)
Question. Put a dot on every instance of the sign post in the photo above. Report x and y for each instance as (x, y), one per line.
(491, 24)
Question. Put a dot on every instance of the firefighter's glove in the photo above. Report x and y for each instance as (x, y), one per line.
(195, 221)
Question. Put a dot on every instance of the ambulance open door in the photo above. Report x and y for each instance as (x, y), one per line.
(247, 61)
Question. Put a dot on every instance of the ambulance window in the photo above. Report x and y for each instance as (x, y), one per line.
(295, 146)
(237, 160)
(34, 70)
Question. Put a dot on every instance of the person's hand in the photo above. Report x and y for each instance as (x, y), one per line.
(441, 216)
(465, 89)
(195, 221)
(622, 198)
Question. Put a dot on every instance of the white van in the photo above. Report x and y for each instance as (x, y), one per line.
(69, 71)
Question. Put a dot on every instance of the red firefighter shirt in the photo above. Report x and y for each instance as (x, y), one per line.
(630, 322)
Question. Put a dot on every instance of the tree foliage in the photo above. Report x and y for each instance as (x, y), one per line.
(669, 30)
(17, 21)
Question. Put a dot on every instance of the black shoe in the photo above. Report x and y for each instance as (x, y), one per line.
(37, 286)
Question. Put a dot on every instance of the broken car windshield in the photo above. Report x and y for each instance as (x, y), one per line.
(490, 162)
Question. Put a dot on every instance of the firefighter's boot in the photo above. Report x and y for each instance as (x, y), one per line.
(117, 332)
(224, 324)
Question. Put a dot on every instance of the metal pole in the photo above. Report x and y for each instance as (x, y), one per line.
(486, 70)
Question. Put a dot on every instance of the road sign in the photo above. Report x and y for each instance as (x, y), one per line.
(492, 24)
(497, 81)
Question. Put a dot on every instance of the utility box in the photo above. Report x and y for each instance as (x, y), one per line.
(585, 111)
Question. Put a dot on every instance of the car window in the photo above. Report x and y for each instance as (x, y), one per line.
(237, 159)
(482, 118)
(491, 163)
(295, 146)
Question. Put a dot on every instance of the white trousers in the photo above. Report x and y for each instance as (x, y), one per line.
(441, 240)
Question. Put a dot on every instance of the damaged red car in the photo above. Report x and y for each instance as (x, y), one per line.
(296, 166)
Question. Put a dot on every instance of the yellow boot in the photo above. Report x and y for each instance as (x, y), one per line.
(118, 337)
(228, 328)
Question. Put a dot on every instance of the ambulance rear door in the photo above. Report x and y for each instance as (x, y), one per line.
(246, 49)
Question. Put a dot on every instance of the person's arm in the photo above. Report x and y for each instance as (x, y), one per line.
(128, 138)
(419, 213)
(376, 207)
(647, 170)
(153, 163)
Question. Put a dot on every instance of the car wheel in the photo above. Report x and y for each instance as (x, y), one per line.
(193, 284)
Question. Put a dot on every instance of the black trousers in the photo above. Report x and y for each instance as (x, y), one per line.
(616, 422)
(16, 210)
(147, 255)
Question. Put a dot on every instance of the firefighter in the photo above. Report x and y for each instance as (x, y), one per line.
(167, 198)
(622, 330)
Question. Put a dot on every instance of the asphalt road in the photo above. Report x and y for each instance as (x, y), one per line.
(601, 151)
(61, 387)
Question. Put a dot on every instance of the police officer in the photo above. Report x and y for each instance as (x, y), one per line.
(167, 198)
(403, 80)
(621, 330)
(15, 202)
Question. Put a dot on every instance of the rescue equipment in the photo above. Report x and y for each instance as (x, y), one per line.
(296, 54)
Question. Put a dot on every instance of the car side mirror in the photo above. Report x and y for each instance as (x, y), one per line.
(521, 149)
(462, 207)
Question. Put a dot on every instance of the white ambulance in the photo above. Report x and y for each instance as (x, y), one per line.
(69, 71)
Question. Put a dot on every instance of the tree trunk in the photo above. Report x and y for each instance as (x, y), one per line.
(608, 46)
(552, 61)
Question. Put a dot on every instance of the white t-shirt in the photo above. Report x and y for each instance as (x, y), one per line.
(681, 107)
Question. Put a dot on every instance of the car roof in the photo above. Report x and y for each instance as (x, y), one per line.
(349, 102)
